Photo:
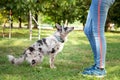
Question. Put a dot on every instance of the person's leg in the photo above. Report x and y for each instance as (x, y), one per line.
(99, 10)
(89, 33)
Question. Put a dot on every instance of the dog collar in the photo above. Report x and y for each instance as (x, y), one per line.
(59, 39)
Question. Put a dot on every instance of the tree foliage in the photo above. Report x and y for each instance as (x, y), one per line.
(114, 13)
(56, 10)
(60, 10)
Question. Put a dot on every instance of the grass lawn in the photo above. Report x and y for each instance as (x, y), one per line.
(75, 56)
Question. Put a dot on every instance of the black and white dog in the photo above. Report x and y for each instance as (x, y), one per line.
(50, 45)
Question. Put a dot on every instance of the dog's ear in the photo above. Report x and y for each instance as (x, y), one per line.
(58, 26)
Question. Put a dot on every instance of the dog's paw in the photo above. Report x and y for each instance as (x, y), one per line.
(53, 67)
(11, 58)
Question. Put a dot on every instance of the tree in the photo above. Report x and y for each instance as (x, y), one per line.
(7, 10)
(56, 10)
(67, 10)
(83, 8)
(20, 8)
(114, 13)
(13, 6)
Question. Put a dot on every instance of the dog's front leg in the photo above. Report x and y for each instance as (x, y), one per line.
(52, 57)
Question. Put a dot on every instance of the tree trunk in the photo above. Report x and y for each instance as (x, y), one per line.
(10, 18)
(35, 24)
(11, 24)
(20, 22)
(30, 24)
(29, 20)
(107, 25)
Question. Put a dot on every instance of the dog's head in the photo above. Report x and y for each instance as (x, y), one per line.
(62, 32)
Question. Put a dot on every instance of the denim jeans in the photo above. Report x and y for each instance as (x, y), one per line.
(94, 29)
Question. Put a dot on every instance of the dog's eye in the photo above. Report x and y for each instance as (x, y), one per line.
(65, 28)
(60, 30)
(30, 53)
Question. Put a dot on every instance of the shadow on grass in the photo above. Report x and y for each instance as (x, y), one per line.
(75, 56)
(115, 31)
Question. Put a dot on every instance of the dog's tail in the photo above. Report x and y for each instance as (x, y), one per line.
(16, 61)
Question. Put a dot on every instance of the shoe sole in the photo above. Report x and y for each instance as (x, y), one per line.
(97, 76)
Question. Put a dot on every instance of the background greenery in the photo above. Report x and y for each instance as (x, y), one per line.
(75, 56)
(53, 11)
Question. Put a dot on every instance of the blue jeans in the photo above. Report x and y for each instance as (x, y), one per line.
(94, 29)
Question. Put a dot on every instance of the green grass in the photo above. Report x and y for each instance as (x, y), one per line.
(75, 56)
